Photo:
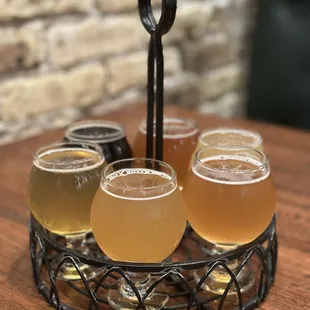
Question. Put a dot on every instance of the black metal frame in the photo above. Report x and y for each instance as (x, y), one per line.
(156, 57)
(177, 275)
(168, 274)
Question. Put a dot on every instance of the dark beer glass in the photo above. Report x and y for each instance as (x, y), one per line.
(109, 135)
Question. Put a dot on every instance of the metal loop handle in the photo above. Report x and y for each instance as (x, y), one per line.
(156, 58)
(166, 20)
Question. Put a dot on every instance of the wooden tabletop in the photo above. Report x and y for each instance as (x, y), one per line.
(289, 152)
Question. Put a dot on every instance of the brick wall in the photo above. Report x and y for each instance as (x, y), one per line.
(64, 59)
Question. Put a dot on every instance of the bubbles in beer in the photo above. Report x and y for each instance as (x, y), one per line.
(66, 160)
(137, 183)
(232, 136)
(233, 170)
(62, 184)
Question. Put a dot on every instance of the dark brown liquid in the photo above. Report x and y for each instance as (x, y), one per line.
(97, 132)
(113, 148)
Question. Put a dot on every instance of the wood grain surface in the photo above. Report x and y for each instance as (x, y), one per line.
(289, 152)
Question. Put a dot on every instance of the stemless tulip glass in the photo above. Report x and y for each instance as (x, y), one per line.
(179, 141)
(62, 184)
(109, 135)
(224, 135)
(138, 216)
(230, 198)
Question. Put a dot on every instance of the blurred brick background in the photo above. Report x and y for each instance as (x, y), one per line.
(61, 60)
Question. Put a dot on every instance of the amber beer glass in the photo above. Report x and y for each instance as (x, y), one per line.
(62, 184)
(224, 135)
(109, 135)
(138, 216)
(230, 198)
(179, 141)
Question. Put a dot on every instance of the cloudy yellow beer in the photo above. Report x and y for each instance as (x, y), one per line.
(230, 199)
(62, 185)
(223, 135)
(179, 141)
(138, 215)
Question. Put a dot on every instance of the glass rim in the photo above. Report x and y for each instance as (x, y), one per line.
(188, 123)
(51, 148)
(263, 165)
(69, 134)
(104, 178)
(252, 133)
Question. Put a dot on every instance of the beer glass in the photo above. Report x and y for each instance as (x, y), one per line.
(111, 138)
(109, 135)
(230, 198)
(62, 184)
(179, 141)
(224, 135)
(138, 216)
(228, 135)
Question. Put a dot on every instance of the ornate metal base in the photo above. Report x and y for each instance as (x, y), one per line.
(174, 277)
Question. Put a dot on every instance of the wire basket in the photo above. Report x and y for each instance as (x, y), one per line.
(174, 276)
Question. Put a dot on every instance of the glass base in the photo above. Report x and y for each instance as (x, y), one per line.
(218, 280)
(208, 248)
(121, 296)
(69, 273)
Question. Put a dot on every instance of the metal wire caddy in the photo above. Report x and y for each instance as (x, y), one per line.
(174, 275)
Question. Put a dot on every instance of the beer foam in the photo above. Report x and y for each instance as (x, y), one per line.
(66, 163)
(144, 171)
(137, 171)
(172, 125)
(255, 136)
(233, 176)
(104, 138)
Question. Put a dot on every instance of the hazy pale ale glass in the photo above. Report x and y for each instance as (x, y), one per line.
(179, 141)
(230, 197)
(224, 135)
(62, 184)
(138, 215)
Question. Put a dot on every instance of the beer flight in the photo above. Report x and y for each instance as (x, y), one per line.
(137, 209)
